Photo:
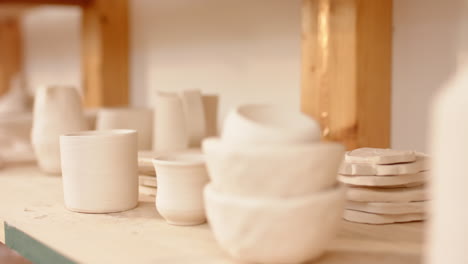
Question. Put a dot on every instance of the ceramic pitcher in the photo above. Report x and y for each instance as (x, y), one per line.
(57, 110)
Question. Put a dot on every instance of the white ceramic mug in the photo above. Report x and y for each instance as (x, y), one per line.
(57, 110)
(169, 126)
(181, 178)
(99, 170)
(139, 119)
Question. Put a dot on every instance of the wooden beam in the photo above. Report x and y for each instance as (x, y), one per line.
(10, 51)
(46, 2)
(346, 69)
(105, 53)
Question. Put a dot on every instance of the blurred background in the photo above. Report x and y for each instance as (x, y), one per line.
(247, 51)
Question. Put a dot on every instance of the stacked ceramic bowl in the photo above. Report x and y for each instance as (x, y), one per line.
(385, 185)
(273, 195)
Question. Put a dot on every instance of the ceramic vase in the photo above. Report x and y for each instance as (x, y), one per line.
(181, 178)
(274, 230)
(269, 124)
(210, 105)
(57, 110)
(139, 119)
(170, 128)
(99, 170)
(194, 112)
(448, 232)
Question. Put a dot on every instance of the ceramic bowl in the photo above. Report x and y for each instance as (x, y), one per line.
(139, 119)
(181, 178)
(275, 230)
(272, 170)
(260, 124)
(99, 170)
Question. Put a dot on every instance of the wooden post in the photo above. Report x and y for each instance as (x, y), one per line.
(105, 53)
(346, 69)
(10, 50)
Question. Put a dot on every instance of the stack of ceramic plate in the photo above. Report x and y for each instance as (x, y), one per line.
(385, 185)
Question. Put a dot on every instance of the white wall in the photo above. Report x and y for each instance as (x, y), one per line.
(425, 46)
(249, 51)
(52, 46)
(246, 51)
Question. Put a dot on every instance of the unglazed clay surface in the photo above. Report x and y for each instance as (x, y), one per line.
(370, 194)
(388, 208)
(260, 124)
(181, 178)
(194, 116)
(57, 110)
(368, 218)
(274, 230)
(394, 180)
(169, 127)
(421, 164)
(379, 156)
(272, 171)
(99, 170)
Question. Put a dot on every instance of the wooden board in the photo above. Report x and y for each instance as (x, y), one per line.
(32, 203)
(46, 2)
(105, 47)
(346, 69)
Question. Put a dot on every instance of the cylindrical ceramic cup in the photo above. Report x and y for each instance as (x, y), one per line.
(170, 128)
(181, 178)
(139, 119)
(99, 170)
(192, 103)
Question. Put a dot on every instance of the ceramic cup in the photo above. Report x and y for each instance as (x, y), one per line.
(57, 110)
(210, 105)
(139, 119)
(280, 170)
(169, 126)
(181, 178)
(274, 230)
(260, 124)
(99, 170)
(194, 111)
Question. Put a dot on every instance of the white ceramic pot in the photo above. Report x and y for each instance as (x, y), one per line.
(275, 230)
(99, 170)
(139, 119)
(272, 170)
(169, 126)
(210, 105)
(57, 110)
(181, 178)
(260, 124)
(194, 111)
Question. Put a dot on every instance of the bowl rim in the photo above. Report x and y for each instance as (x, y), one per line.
(332, 193)
(99, 133)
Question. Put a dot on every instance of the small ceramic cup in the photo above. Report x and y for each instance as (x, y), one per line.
(169, 127)
(181, 178)
(139, 119)
(99, 170)
(194, 111)
(275, 230)
(269, 124)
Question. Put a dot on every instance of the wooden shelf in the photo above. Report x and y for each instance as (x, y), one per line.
(39, 227)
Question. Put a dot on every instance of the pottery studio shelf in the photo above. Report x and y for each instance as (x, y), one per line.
(36, 224)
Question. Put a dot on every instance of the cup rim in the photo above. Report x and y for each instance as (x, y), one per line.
(99, 133)
(169, 159)
(119, 109)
